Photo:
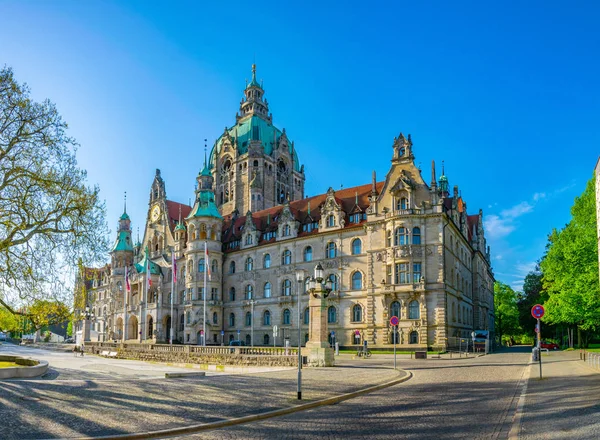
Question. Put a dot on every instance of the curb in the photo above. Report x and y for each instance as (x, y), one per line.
(185, 374)
(515, 429)
(185, 430)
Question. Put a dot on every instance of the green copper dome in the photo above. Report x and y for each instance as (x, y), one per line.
(180, 227)
(205, 206)
(124, 217)
(123, 242)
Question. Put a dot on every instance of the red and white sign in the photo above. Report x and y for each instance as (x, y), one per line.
(537, 311)
(394, 321)
(357, 332)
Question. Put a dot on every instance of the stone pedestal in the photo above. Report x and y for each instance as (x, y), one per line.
(319, 352)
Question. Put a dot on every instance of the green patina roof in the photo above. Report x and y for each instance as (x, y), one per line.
(141, 266)
(205, 171)
(180, 227)
(124, 216)
(123, 242)
(205, 206)
(244, 129)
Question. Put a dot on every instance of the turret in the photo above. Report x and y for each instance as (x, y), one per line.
(443, 184)
(122, 251)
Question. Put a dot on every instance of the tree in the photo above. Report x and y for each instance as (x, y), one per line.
(570, 270)
(533, 293)
(507, 313)
(49, 218)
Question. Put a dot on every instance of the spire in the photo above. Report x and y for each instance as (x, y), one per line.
(443, 183)
(309, 208)
(254, 82)
(356, 197)
(125, 204)
(433, 181)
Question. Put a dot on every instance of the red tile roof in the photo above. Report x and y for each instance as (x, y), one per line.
(173, 212)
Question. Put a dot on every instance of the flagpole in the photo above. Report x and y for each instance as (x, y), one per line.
(206, 263)
(173, 275)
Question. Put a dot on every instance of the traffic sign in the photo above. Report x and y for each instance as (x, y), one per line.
(537, 311)
(238, 332)
(394, 321)
(222, 332)
(201, 332)
(332, 333)
(536, 329)
(357, 332)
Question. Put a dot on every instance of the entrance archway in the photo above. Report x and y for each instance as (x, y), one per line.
(132, 327)
(119, 329)
(150, 327)
(167, 327)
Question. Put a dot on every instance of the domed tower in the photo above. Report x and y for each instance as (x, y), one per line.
(122, 251)
(203, 258)
(444, 186)
(254, 158)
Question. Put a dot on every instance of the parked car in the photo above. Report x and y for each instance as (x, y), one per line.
(237, 344)
(549, 345)
(69, 341)
(2, 336)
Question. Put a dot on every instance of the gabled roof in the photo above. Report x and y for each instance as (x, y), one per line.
(267, 220)
(173, 212)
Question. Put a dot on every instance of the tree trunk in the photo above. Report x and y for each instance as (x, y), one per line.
(579, 342)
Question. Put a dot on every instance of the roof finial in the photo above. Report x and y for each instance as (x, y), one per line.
(204, 153)
(125, 203)
(443, 173)
(356, 197)
(138, 234)
(254, 71)
(309, 207)
(179, 214)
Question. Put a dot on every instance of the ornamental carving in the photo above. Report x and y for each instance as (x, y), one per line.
(248, 276)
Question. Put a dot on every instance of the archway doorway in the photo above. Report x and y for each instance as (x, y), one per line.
(167, 327)
(132, 327)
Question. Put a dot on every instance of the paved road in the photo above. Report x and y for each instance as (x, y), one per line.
(458, 399)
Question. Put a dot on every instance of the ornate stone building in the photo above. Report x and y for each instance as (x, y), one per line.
(395, 247)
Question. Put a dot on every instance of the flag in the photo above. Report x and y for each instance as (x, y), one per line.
(148, 279)
(174, 263)
(127, 285)
(207, 262)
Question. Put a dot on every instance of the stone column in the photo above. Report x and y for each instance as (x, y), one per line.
(319, 352)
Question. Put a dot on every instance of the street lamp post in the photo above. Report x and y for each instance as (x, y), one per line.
(319, 349)
(87, 316)
(299, 278)
(252, 322)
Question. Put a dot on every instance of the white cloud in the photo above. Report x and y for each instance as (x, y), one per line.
(538, 196)
(497, 227)
(517, 210)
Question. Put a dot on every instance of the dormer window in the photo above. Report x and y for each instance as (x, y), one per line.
(330, 221)
(286, 231)
(248, 239)
(402, 204)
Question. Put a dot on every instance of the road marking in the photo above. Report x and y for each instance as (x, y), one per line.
(515, 430)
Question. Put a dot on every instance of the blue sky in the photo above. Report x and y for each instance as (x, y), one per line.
(506, 94)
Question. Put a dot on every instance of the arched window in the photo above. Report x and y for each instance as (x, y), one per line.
(413, 310)
(215, 318)
(286, 231)
(266, 339)
(357, 313)
(331, 315)
(248, 319)
(231, 320)
(267, 261)
(308, 253)
(286, 288)
(232, 294)
(400, 236)
(395, 309)
(188, 318)
(214, 267)
(150, 326)
(453, 312)
(249, 264)
(248, 340)
(266, 317)
(330, 221)
(286, 317)
(403, 203)
(306, 316)
(356, 280)
(388, 235)
(416, 238)
(232, 267)
(356, 246)
(267, 290)
(330, 250)
(414, 337)
(201, 265)
(249, 291)
(286, 257)
(202, 231)
(334, 282)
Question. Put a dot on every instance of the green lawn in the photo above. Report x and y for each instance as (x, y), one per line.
(4, 364)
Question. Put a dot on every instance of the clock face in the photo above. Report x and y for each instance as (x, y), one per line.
(155, 213)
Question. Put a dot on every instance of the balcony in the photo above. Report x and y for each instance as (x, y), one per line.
(286, 299)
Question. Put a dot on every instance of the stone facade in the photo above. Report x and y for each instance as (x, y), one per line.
(395, 247)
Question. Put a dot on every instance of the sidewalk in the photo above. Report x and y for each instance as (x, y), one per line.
(565, 403)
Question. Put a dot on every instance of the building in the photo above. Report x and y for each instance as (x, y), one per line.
(394, 247)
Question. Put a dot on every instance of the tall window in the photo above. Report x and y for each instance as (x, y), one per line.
(356, 280)
(266, 317)
(188, 318)
(267, 261)
(416, 236)
(232, 267)
(356, 246)
(249, 291)
(249, 264)
(308, 253)
(401, 273)
(214, 267)
(357, 313)
(231, 320)
(331, 315)
(232, 294)
(414, 312)
(215, 318)
(249, 238)
(267, 293)
(395, 309)
(306, 315)
(334, 282)
(414, 337)
(248, 319)
(400, 236)
(286, 317)
(286, 288)
(330, 221)
(201, 265)
(181, 323)
(286, 257)
(266, 339)
(403, 203)
(388, 239)
(416, 273)
(286, 231)
(331, 250)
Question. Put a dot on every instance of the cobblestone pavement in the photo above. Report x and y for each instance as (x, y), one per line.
(565, 403)
(458, 399)
(96, 404)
